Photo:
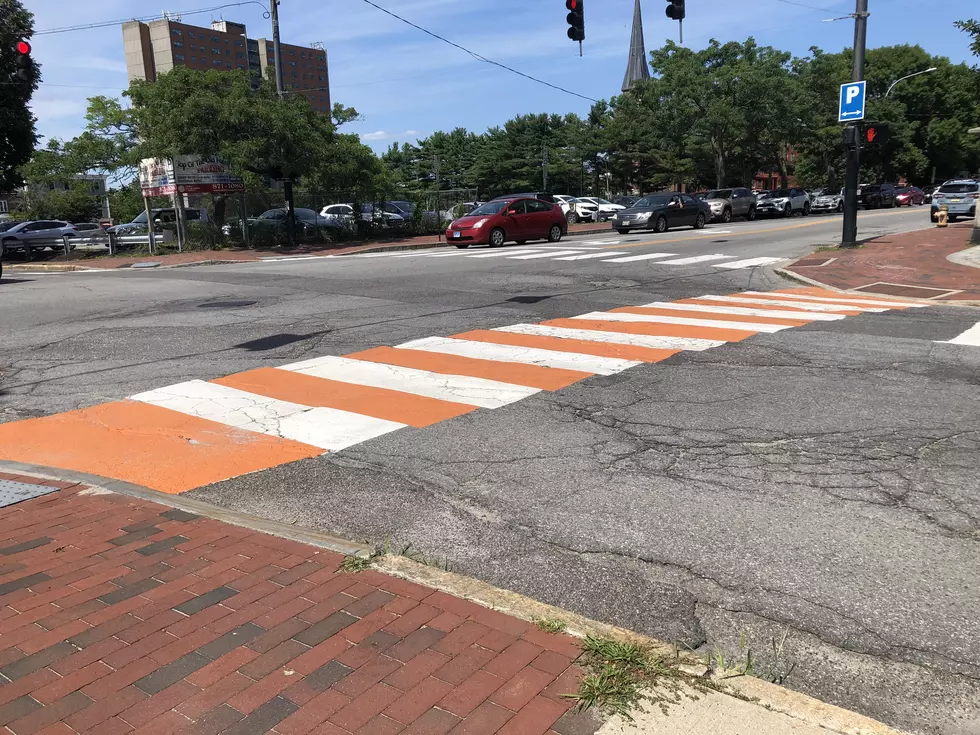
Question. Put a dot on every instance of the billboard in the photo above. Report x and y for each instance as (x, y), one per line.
(187, 175)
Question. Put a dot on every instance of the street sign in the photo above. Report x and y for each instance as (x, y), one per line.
(852, 96)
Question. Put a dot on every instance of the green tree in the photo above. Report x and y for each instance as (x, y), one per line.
(75, 204)
(17, 132)
(973, 28)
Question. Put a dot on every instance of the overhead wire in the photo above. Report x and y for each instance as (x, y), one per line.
(146, 18)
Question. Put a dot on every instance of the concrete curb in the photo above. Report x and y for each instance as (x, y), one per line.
(767, 697)
(811, 282)
(969, 257)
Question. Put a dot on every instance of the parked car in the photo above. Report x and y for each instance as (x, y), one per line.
(660, 212)
(728, 203)
(927, 192)
(583, 211)
(542, 195)
(607, 209)
(783, 203)
(908, 196)
(342, 214)
(567, 204)
(306, 219)
(160, 217)
(459, 210)
(958, 196)
(877, 196)
(827, 200)
(517, 218)
(23, 234)
(90, 229)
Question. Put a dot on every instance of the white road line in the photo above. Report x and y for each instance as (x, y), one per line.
(547, 255)
(526, 355)
(697, 259)
(750, 263)
(970, 337)
(720, 232)
(562, 247)
(420, 254)
(456, 388)
(635, 258)
(608, 316)
(801, 315)
(448, 255)
(835, 300)
(327, 428)
(618, 338)
(587, 256)
(504, 253)
(374, 255)
(602, 242)
(801, 305)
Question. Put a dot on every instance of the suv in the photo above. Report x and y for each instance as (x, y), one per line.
(728, 203)
(959, 197)
(160, 217)
(827, 200)
(784, 202)
(24, 234)
(877, 196)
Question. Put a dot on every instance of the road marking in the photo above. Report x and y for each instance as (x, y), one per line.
(419, 254)
(654, 329)
(970, 337)
(661, 342)
(697, 259)
(635, 258)
(447, 255)
(750, 263)
(599, 348)
(326, 428)
(774, 314)
(547, 255)
(602, 242)
(506, 373)
(528, 355)
(587, 256)
(504, 253)
(801, 305)
(403, 408)
(562, 247)
(618, 316)
(458, 389)
(848, 299)
(373, 255)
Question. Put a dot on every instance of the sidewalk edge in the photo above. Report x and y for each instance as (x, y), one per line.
(760, 693)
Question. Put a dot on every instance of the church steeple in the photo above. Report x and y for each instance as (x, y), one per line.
(638, 68)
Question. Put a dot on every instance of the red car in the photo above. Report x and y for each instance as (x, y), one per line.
(517, 219)
(909, 195)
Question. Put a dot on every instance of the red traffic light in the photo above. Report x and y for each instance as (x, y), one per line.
(23, 47)
(571, 4)
(872, 134)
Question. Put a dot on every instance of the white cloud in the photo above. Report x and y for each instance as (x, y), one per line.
(385, 135)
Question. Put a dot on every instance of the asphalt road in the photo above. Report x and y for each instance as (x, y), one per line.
(821, 482)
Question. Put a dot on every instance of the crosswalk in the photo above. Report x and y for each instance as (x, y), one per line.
(591, 251)
(196, 432)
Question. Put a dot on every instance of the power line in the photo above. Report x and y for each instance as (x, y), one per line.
(804, 5)
(475, 55)
(107, 23)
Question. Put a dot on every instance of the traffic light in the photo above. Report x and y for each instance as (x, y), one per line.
(876, 134)
(24, 63)
(576, 19)
(676, 10)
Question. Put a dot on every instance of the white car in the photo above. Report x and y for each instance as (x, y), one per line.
(607, 210)
(567, 204)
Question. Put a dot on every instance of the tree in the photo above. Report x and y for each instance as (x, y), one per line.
(973, 28)
(17, 132)
(75, 204)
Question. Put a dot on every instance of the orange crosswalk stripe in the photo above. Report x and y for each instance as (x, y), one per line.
(147, 445)
(381, 403)
(652, 328)
(664, 311)
(532, 376)
(812, 291)
(707, 301)
(560, 344)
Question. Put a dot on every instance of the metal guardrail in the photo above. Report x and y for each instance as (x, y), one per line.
(67, 243)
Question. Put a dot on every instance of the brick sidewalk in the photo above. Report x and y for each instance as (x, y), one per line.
(912, 259)
(118, 615)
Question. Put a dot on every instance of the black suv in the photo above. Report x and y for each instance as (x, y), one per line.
(877, 196)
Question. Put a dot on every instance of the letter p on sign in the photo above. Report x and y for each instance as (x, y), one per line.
(852, 94)
(852, 97)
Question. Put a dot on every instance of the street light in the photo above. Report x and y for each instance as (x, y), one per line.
(924, 71)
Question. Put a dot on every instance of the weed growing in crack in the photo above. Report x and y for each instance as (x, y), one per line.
(746, 663)
(420, 558)
(623, 676)
(551, 625)
(355, 564)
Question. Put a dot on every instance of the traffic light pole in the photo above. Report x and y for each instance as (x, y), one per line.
(852, 178)
(287, 184)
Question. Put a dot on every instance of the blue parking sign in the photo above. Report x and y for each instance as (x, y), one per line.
(852, 96)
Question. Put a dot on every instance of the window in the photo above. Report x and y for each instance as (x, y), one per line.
(239, 44)
(295, 85)
(228, 66)
(190, 34)
(320, 78)
(178, 44)
(3, 206)
(292, 53)
(533, 205)
(295, 76)
(292, 63)
(241, 66)
(217, 62)
(227, 52)
(194, 58)
(519, 207)
(179, 57)
(216, 51)
(215, 39)
(176, 31)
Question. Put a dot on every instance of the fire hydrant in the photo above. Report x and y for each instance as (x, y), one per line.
(942, 217)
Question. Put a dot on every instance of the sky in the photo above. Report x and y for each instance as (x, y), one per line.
(406, 84)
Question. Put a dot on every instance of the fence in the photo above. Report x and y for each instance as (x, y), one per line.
(68, 243)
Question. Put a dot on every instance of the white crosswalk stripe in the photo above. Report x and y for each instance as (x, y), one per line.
(504, 253)
(608, 316)
(970, 337)
(527, 355)
(547, 255)
(637, 258)
(842, 299)
(455, 388)
(327, 428)
(740, 311)
(801, 305)
(750, 263)
(621, 338)
(697, 259)
(587, 256)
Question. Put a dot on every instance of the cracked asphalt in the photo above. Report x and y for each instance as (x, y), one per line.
(821, 483)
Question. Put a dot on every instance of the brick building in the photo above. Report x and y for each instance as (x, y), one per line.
(158, 46)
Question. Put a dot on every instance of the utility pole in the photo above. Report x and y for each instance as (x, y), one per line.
(852, 179)
(544, 168)
(287, 181)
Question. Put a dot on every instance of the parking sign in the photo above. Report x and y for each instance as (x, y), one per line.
(852, 96)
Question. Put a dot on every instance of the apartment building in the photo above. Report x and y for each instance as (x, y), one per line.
(156, 47)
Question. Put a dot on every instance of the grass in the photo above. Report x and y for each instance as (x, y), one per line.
(622, 676)
(355, 564)
(551, 625)
(774, 669)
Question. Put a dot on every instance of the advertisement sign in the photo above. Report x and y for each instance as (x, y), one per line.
(187, 175)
